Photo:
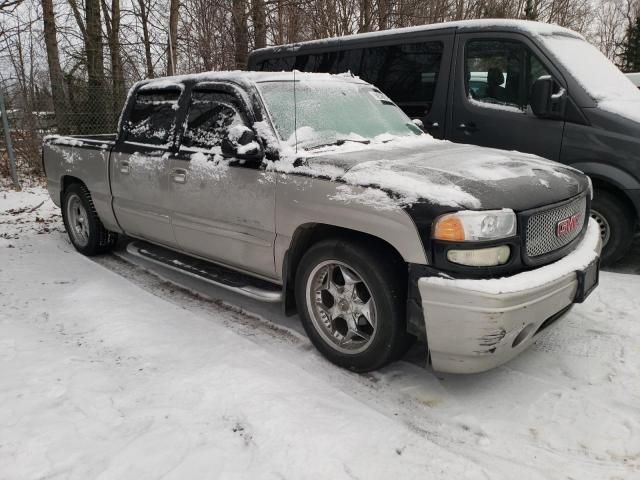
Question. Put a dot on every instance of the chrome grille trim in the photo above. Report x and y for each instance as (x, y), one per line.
(541, 237)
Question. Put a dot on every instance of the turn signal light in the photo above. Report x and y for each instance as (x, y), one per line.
(449, 228)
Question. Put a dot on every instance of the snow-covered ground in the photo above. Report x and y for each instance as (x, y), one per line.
(110, 371)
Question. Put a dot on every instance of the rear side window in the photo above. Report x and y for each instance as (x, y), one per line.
(152, 119)
(277, 64)
(330, 62)
(211, 115)
(407, 73)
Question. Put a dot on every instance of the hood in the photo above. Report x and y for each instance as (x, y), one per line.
(446, 174)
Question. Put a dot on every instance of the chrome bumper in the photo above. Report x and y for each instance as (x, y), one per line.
(476, 325)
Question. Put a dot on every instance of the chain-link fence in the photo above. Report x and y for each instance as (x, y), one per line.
(87, 109)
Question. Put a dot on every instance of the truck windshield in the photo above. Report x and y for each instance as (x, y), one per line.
(602, 80)
(333, 112)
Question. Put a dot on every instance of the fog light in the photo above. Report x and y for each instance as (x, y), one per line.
(482, 257)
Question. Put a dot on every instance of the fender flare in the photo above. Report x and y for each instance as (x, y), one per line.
(610, 174)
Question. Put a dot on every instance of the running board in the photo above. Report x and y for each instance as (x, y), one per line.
(217, 275)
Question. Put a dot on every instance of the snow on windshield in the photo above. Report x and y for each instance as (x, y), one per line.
(330, 113)
(602, 80)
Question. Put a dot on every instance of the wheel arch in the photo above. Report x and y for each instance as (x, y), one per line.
(612, 179)
(307, 235)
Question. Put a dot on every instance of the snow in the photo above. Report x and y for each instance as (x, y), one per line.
(494, 106)
(107, 371)
(63, 140)
(535, 28)
(602, 80)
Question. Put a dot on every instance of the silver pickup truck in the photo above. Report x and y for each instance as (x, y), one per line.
(317, 191)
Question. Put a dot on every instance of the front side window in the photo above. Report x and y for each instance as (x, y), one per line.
(211, 115)
(501, 72)
(152, 119)
(407, 73)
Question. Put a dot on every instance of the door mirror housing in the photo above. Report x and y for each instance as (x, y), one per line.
(242, 143)
(418, 123)
(548, 99)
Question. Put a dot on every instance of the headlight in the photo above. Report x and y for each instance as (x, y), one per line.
(590, 188)
(469, 226)
(481, 257)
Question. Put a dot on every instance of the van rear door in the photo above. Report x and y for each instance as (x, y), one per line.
(494, 73)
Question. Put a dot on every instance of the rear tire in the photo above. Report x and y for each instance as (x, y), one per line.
(352, 302)
(617, 225)
(86, 232)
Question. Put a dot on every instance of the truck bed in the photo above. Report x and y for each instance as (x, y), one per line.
(85, 157)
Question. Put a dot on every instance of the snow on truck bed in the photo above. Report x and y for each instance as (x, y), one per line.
(103, 376)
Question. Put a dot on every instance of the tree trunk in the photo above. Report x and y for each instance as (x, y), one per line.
(144, 18)
(240, 37)
(172, 58)
(55, 71)
(259, 16)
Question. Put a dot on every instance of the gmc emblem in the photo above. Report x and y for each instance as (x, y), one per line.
(567, 225)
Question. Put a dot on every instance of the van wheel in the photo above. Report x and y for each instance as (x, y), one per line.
(617, 225)
(352, 304)
(81, 221)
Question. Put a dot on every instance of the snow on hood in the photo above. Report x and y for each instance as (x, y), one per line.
(420, 168)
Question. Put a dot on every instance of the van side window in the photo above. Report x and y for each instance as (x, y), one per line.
(407, 73)
(152, 119)
(210, 116)
(317, 62)
(278, 64)
(501, 72)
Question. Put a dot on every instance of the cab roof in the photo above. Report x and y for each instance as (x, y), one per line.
(241, 78)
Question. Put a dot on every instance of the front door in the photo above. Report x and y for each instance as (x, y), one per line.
(493, 79)
(140, 167)
(223, 209)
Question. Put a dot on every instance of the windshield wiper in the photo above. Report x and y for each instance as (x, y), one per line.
(339, 142)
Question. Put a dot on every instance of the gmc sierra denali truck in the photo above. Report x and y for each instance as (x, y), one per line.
(317, 191)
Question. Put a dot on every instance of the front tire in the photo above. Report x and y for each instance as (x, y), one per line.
(351, 300)
(86, 232)
(617, 225)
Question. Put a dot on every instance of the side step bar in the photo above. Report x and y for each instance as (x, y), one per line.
(217, 275)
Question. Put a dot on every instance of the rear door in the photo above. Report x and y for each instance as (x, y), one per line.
(140, 166)
(223, 209)
(493, 78)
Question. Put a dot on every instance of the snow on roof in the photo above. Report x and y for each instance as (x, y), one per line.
(242, 77)
(534, 28)
(635, 78)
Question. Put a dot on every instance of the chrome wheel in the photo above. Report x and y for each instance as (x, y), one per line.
(605, 229)
(78, 221)
(341, 307)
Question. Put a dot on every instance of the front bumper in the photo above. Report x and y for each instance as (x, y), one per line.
(476, 325)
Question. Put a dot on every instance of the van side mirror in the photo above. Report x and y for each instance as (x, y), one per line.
(242, 143)
(544, 102)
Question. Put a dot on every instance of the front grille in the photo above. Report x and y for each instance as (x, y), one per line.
(541, 230)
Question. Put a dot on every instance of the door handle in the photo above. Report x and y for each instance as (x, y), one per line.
(179, 175)
(468, 127)
(124, 167)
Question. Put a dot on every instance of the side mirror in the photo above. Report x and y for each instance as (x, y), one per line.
(544, 102)
(418, 123)
(242, 143)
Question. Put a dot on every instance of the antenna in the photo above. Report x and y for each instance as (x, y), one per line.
(295, 111)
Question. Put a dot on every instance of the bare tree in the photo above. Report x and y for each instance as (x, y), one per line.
(53, 59)
(172, 46)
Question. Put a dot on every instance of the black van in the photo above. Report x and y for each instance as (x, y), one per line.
(509, 84)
